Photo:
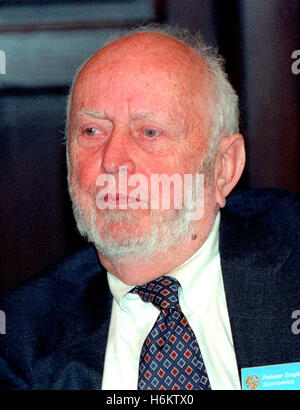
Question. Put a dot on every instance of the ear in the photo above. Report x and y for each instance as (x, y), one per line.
(229, 166)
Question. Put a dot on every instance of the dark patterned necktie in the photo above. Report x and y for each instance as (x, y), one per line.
(170, 357)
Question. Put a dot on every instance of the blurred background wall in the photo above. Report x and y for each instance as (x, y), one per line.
(43, 43)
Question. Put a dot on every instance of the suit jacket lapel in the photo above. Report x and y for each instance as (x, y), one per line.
(250, 261)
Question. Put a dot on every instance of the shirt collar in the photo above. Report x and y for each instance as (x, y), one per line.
(186, 273)
(118, 288)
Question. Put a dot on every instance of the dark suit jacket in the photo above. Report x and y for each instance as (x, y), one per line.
(57, 323)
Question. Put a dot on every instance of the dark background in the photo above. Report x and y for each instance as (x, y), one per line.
(45, 41)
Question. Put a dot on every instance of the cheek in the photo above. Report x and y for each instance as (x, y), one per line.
(85, 171)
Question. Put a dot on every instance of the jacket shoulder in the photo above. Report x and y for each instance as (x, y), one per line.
(277, 208)
(47, 311)
(60, 279)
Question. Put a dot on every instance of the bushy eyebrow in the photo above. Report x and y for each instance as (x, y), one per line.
(143, 116)
(135, 117)
(94, 113)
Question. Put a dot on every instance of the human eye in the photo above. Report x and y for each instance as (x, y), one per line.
(152, 137)
(92, 136)
(151, 132)
(91, 131)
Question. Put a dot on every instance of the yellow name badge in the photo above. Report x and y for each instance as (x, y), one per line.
(275, 377)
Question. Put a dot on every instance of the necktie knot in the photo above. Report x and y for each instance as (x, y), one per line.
(162, 292)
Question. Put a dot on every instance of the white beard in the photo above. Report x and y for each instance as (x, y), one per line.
(166, 230)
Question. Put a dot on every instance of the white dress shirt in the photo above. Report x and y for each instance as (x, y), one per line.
(202, 300)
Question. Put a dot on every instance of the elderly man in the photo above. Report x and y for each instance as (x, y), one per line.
(171, 299)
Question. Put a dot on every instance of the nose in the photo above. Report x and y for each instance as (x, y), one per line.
(116, 154)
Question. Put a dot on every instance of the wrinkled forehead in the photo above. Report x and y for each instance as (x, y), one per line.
(142, 67)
